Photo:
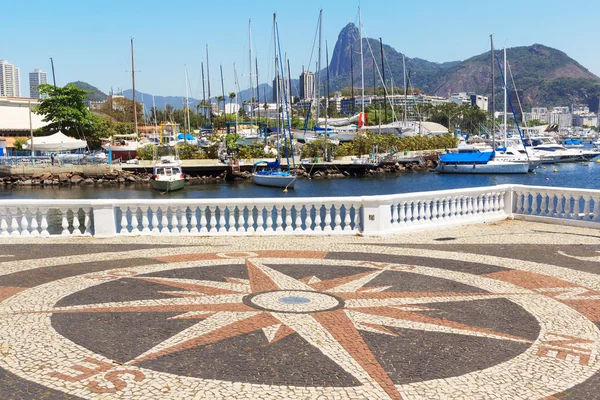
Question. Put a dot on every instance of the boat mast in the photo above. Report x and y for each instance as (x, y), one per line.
(250, 65)
(135, 127)
(277, 80)
(203, 89)
(154, 112)
(110, 117)
(222, 87)
(319, 69)
(237, 88)
(505, 98)
(352, 76)
(493, 100)
(187, 108)
(327, 98)
(208, 84)
(362, 66)
(383, 81)
(406, 94)
(257, 90)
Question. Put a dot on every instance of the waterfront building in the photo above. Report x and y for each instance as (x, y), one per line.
(560, 116)
(36, 78)
(307, 85)
(10, 83)
(470, 98)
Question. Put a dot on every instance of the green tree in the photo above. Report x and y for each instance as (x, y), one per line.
(19, 142)
(63, 105)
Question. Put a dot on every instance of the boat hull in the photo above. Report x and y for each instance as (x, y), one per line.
(280, 181)
(499, 168)
(168, 185)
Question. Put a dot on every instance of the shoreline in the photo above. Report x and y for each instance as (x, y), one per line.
(118, 177)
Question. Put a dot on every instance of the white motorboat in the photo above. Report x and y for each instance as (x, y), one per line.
(167, 175)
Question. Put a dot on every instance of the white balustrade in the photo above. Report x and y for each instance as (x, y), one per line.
(369, 215)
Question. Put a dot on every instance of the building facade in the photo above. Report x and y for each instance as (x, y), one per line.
(278, 84)
(10, 82)
(470, 98)
(36, 78)
(307, 85)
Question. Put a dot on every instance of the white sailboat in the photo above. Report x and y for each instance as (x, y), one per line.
(273, 175)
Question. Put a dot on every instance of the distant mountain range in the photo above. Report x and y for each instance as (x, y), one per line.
(547, 77)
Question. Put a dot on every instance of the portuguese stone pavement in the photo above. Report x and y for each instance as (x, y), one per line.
(502, 311)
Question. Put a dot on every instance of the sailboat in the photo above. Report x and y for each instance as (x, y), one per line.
(273, 175)
(124, 147)
(486, 162)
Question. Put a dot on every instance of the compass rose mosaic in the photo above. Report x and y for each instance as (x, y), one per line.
(318, 325)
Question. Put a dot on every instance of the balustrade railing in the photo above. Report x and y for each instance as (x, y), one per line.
(368, 215)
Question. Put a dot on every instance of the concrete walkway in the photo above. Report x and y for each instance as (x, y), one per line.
(509, 310)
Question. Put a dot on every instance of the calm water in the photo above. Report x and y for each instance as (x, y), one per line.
(575, 175)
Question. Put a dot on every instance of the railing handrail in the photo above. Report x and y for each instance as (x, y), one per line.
(367, 215)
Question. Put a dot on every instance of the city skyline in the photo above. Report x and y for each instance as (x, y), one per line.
(91, 43)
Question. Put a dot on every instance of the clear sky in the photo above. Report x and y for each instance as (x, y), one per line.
(89, 40)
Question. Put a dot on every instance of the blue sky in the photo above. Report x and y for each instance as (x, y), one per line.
(89, 41)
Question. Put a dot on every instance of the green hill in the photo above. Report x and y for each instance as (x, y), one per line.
(95, 95)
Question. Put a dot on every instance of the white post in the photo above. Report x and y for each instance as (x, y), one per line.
(509, 199)
(104, 219)
(376, 218)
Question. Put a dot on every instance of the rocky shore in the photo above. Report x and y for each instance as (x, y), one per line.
(115, 177)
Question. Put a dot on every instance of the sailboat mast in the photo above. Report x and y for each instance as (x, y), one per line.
(250, 65)
(257, 89)
(208, 85)
(327, 98)
(154, 109)
(362, 66)
(110, 116)
(493, 96)
(187, 107)
(505, 98)
(383, 79)
(135, 127)
(237, 88)
(222, 87)
(352, 76)
(277, 94)
(319, 69)
(203, 88)
(405, 94)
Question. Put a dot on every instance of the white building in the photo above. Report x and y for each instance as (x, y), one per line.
(470, 98)
(307, 85)
(36, 78)
(14, 118)
(587, 119)
(10, 83)
(231, 108)
(560, 116)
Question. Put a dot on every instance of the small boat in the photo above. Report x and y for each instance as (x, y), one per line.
(167, 175)
(273, 175)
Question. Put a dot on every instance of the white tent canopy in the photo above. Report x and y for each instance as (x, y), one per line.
(57, 142)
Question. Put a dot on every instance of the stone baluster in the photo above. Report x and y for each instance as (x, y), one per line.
(203, 220)
(212, 228)
(298, 219)
(231, 221)
(278, 219)
(337, 222)
(402, 213)
(269, 219)
(576, 206)
(222, 221)
(124, 230)
(43, 223)
(87, 221)
(154, 219)
(596, 209)
(356, 221)
(145, 221)
(24, 223)
(183, 221)
(347, 220)
(260, 222)
(289, 227)
(586, 207)
(434, 210)
(501, 202)
(76, 224)
(134, 221)
(250, 221)
(327, 223)
(34, 223)
(309, 219)
(65, 222)
(193, 220)
(164, 221)
(409, 212)
(459, 206)
(394, 214)
(452, 207)
(318, 227)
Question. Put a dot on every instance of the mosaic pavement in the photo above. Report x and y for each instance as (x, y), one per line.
(502, 311)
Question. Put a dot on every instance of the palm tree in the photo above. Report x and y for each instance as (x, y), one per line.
(221, 99)
(231, 97)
